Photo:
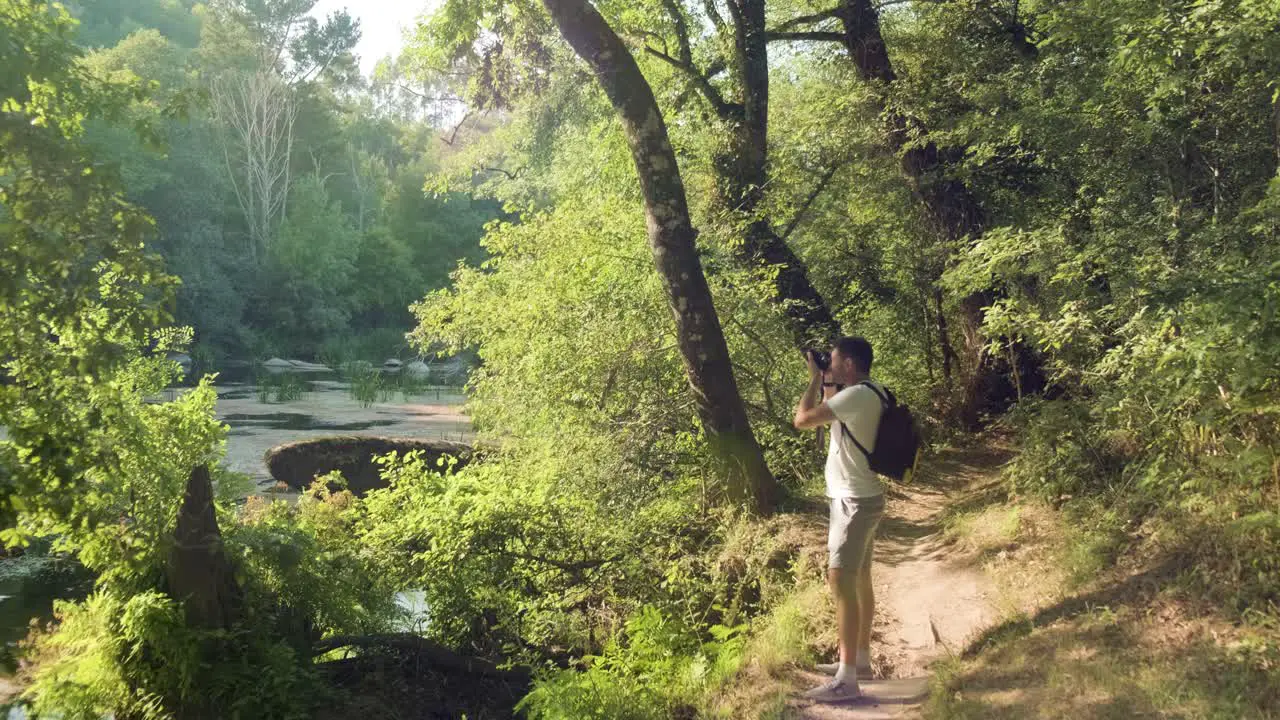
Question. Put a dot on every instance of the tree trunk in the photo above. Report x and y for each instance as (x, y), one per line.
(742, 171)
(949, 204)
(198, 573)
(952, 208)
(671, 239)
(944, 337)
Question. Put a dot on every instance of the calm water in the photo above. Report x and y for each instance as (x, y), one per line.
(327, 407)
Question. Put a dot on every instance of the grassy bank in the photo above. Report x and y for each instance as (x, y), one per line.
(1103, 617)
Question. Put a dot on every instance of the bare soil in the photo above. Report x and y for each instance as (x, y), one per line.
(932, 599)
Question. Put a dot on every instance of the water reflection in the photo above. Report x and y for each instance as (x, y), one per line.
(297, 421)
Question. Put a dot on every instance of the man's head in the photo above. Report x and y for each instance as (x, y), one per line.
(850, 360)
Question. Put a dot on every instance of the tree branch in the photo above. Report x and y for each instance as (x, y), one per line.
(810, 36)
(454, 135)
(807, 20)
(684, 59)
(682, 31)
(713, 14)
(808, 201)
(726, 110)
(436, 655)
(510, 175)
(434, 98)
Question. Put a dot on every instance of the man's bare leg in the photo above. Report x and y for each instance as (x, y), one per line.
(844, 686)
(860, 624)
(847, 615)
(866, 596)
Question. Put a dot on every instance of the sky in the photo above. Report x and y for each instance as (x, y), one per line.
(382, 23)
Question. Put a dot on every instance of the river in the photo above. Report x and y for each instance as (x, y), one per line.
(327, 408)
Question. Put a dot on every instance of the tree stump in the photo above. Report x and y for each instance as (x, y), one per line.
(198, 572)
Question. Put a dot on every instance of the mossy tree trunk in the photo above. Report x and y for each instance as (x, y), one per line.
(747, 479)
(742, 164)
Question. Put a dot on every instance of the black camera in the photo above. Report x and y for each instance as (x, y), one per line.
(821, 358)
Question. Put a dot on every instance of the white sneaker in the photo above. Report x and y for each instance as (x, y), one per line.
(834, 692)
(864, 673)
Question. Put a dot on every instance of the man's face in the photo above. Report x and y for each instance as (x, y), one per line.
(842, 368)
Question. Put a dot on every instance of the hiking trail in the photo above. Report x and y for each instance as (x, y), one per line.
(930, 600)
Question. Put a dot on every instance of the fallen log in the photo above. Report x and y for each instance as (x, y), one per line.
(423, 650)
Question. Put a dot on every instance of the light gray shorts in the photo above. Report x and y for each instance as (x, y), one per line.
(853, 531)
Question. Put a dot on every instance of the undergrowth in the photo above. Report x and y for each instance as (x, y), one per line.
(1123, 596)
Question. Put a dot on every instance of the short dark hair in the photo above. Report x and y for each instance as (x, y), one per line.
(857, 348)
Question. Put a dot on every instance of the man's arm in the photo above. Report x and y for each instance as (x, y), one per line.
(812, 412)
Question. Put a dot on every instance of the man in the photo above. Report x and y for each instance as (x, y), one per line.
(857, 503)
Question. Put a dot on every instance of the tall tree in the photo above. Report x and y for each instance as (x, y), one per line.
(279, 48)
(742, 163)
(950, 206)
(726, 65)
(258, 112)
(283, 36)
(671, 239)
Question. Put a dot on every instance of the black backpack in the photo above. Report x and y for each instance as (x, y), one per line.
(897, 439)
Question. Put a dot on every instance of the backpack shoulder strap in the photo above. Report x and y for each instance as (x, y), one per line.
(845, 429)
(886, 397)
(884, 402)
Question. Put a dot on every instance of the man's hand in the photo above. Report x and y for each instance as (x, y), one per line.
(814, 370)
(812, 412)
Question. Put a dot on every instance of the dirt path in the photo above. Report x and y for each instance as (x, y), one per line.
(929, 601)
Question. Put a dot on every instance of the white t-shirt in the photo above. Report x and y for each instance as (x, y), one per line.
(848, 474)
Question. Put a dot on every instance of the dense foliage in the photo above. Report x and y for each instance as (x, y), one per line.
(90, 463)
(1119, 280)
(1123, 276)
(1144, 266)
(349, 239)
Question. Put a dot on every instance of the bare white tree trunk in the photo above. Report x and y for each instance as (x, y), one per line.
(258, 112)
(357, 179)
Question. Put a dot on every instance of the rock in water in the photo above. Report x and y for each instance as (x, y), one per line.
(278, 365)
(302, 366)
(297, 464)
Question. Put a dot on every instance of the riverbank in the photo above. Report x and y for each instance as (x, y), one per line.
(256, 424)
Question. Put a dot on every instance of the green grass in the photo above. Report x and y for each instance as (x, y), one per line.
(280, 387)
(1110, 663)
(987, 530)
(366, 383)
(369, 384)
(781, 639)
(1098, 625)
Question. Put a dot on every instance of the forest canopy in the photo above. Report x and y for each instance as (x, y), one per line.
(287, 189)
